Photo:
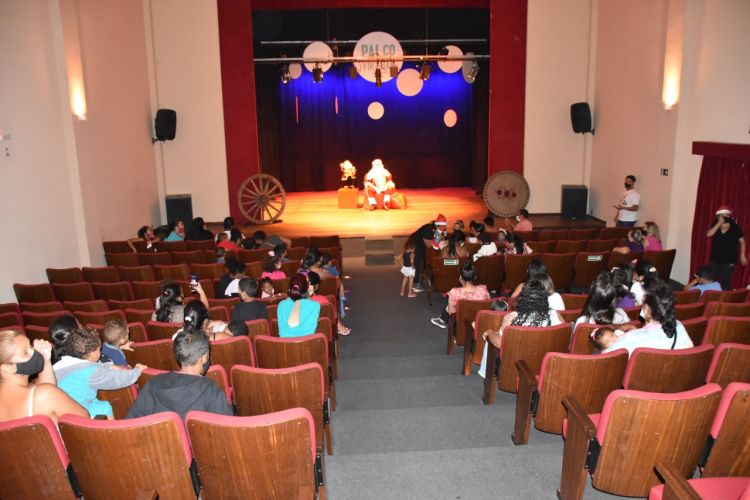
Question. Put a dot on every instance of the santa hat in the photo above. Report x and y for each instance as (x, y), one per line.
(377, 163)
(724, 210)
(440, 220)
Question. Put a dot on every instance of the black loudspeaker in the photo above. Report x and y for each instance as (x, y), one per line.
(165, 125)
(580, 117)
(180, 207)
(573, 201)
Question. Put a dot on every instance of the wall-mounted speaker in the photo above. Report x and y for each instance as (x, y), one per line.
(580, 117)
(165, 125)
(573, 201)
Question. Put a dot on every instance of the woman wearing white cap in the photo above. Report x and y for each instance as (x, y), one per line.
(725, 234)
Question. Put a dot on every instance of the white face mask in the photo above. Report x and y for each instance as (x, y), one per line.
(518, 218)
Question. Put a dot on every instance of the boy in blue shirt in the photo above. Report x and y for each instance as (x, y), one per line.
(705, 280)
(115, 336)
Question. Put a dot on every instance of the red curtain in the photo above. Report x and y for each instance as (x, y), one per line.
(724, 180)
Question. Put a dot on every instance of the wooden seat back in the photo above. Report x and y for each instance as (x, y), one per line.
(296, 253)
(688, 311)
(583, 234)
(321, 242)
(248, 256)
(154, 258)
(561, 267)
(528, 344)
(99, 318)
(258, 391)
(136, 273)
(596, 245)
(527, 236)
(264, 457)
(121, 259)
(723, 329)
(328, 286)
(173, 272)
(73, 291)
(40, 307)
(570, 246)
(580, 341)
(221, 379)
(662, 261)
(589, 379)
(733, 309)
(34, 293)
(695, 328)
(258, 327)
(120, 399)
(445, 273)
(542, 246)
(606, 233)
(490, 270)
(207, 271)
(10, 319)
(67, 275)
(574, 300)
(730, 453)
(616, 258)
(33, 444)
(139, 315)
(86, 306)
(154, 354)
(105, 274)
(158, 330)
(233, 351)
(189, 257)
(200, 245)
(731, 363)
(553, 234)
(116, 246)
(638, 430)
(735, 296)
(485, 320)
(664, 370)
(124, 305)
(41, 319)
(171, 246)
(588, 266)
(687, 297)
(147, 289)
(516, 267)
(120, 290)
(154, 451)
(466, 313)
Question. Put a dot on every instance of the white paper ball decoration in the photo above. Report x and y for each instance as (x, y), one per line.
(375, 110)
(450, 118)
(409, 83)
(317, 50)
(451, 66)
(295, 70)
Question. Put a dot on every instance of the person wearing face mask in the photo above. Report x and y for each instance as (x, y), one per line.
(627, 208)
(186, 389)
(661, 329)
(522, 221)
(19, 360)
(727, 244)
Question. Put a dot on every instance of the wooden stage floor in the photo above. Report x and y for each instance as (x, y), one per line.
(317, 214)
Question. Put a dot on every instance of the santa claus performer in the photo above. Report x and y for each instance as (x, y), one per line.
(379, 186)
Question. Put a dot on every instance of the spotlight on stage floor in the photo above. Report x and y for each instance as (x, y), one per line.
(317, 73)
(424, 72)
(285, 74)
(378, 77)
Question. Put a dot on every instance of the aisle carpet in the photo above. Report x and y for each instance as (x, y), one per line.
(409, 425)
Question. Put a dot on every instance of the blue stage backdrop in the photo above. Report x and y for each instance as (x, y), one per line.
(322, 124)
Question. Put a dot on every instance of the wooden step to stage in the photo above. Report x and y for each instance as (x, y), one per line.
(379, 252)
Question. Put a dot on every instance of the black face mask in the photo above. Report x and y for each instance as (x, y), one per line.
(32, 366)
(628, 186)
(204, 369)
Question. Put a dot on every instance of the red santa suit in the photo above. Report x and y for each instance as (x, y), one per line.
(379, 186)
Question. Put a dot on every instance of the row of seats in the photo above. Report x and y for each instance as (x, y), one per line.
(294, 254)
(122, 246)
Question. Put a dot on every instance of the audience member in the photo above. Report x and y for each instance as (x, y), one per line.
(704, 281)
(532, 309)
(600, 306)
(488, 246)
(272, 268)
(634, 242)
(80, 374)
(198, 231)
(262, 240)
(522, 222)
(115, 336)
(19, 398)
(458, 225)
(313, 279)
(59, 330)
(266, 288)
(177, 232)
(622, 280)
(406, 261)
(280, 252)
(170, 307)
(538, 271)
(249, 308)
(186, 389)
(297, 315)
(489, 221)
(726, 235)
(643, 272)
(514, 245)
(467, 291)
(456, 248)
(232, 242)
(228, 284)
(652, 242)
(603, 337)
(475, 230)
(661, 329)
(238, 328)
(147, 236)
(423, 237)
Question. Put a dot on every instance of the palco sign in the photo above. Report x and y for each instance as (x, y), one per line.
(377, 50)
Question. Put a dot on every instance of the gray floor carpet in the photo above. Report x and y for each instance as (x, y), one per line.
(409, 425)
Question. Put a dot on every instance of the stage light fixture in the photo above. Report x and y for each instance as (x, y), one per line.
(378, 77)
(317, 73)
(424, 72)
(285, 74)
(352, 71)
(473, 72)
(394, 70)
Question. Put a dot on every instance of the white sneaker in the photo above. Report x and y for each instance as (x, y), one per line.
(439, 322)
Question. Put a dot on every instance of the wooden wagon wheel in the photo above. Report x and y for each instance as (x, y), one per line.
(261, 198)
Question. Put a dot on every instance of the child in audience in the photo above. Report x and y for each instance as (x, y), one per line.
(643, 272)
(603, 337)
(705, 280)
(232, 242)
(116, 339)
(266, 288)
(501, 236)
(325, 263)
(406, 260)
(488, 246)
(272, 268)
(280, 252)
(80, 374)
(220, 255)
(237, 328)
(249, 308)
(622, 280)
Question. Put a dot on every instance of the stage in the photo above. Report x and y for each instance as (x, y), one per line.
(317, 214)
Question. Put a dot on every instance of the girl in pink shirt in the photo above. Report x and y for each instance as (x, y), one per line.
(653, 237)
(272, 268)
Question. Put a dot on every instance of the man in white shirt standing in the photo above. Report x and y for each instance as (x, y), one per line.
(627, 209)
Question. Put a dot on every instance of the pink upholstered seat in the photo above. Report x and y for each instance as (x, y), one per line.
(714, 488)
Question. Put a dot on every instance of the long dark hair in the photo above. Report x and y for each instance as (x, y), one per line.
(453, 242)
(660, 298)
(312, 257)
(622, 279)
(171, 297)
(532, 306)
(600, 304)
(516, 241)
(196, 316)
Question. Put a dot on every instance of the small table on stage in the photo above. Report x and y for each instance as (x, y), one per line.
(348, 198)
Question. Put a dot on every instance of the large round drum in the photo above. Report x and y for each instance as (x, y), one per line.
(261, 199)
